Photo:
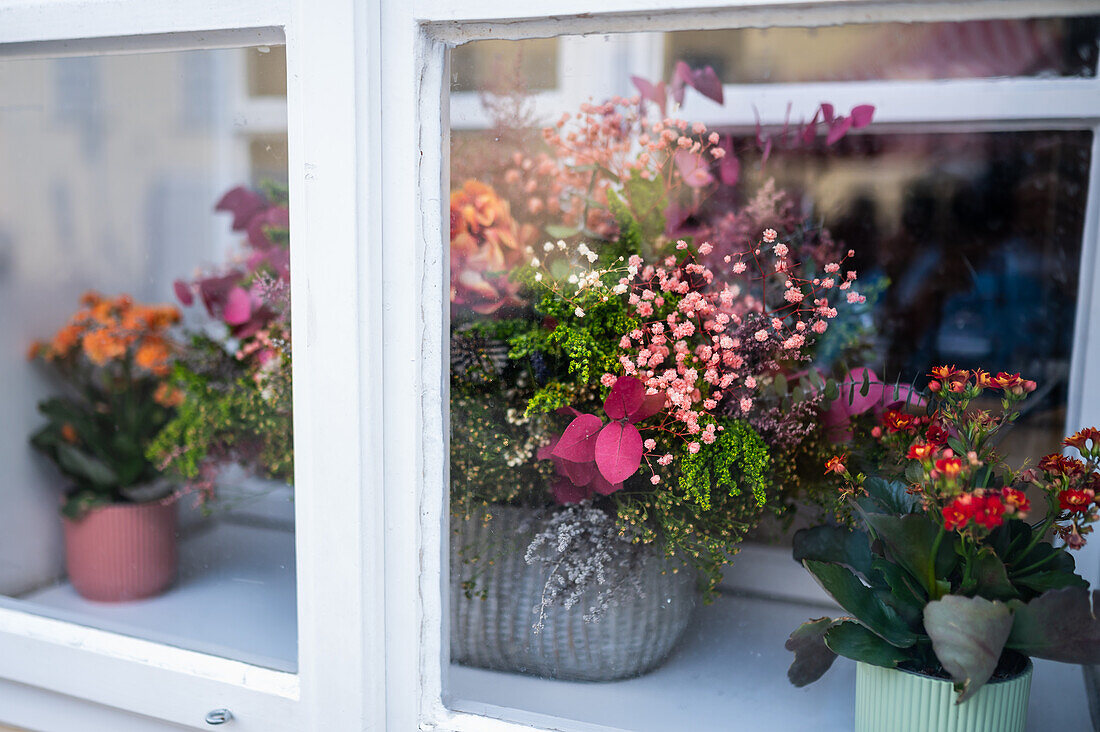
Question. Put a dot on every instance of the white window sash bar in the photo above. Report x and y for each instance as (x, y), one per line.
(55, 22)
(459, 21)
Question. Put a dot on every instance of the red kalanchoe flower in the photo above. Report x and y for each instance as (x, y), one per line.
(835, 464)
(944, 373)
(920, 451)
(1016, 502)
(949, 466)
(896, 421)
(1075, 500)
(958, 512)
(936, 435)
(982, 379)
(1057, 464)
(989, 511)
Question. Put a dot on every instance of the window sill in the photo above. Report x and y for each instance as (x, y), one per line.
(729, 672)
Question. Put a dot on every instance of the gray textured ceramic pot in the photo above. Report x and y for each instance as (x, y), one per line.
(497, 632)
(889, 700)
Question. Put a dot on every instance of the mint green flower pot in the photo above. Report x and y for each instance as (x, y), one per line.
(889, 700)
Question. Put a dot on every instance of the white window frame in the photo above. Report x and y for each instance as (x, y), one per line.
(417, 35)
(56, 675)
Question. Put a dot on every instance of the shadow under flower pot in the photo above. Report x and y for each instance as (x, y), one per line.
(496, 598)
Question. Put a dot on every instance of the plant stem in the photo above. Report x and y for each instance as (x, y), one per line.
(1035, 565)
(932, 591)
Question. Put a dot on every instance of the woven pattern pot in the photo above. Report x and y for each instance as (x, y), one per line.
(889, 700)
(632, 637)
(125, 551)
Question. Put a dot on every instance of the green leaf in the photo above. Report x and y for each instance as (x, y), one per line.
(833, 544)
(906, 593)
(812, 658)
(968, 635)
(78, 463)
(832, 390)
(860, 601)
(914, 472)
(780, 384)
(1054, 579)
(888, 496)
(562, 232)
(1059, 625)
(909, 540)
(865, 387)
(852, 640)
(988, 578)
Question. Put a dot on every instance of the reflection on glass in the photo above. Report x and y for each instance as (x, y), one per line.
(899, 51)
(485, 64)
(154, 500)
(571, 496)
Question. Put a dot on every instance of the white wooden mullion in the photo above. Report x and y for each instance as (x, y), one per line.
(459, 21)
(59, 22)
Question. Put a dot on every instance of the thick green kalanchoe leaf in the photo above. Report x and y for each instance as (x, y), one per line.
(861, 601)
(887, 496)
(834, 544)
(812, 658)
(909, 540)
(989, 579)
(968, 635)
(852, 640)
(1059, 625)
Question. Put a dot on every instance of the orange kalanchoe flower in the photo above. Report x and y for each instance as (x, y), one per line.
(1016, 502)
(1075, 500)
(835, 464)
(101, 346)
(68, 433)
(920, 451)
(897, 421)
(1081, 437)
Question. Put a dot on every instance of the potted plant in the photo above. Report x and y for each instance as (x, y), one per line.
(617, 389)
(949, 587)
(119, 513)
(235, 374)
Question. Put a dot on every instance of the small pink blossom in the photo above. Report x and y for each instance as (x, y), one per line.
(693, 447)
(650, 444)
(746, 404)
(770, 235)
(609, 380)
(781, 250)
(655, 479)
(761, 335)
(820, 326)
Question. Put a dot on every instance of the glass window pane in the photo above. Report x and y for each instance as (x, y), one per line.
(965, 50)
(144, 351)
(487, 64)
(565, 504)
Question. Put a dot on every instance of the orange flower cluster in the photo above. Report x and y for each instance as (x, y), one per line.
(105, 330)
(958, 381)
(486, 243)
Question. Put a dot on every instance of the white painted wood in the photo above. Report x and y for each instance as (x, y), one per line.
(59, 21)
(458, 21)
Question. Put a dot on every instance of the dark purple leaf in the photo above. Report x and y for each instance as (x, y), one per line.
(243, 204)
(215, 290)
(183, 292)
(656, 93)
(625, 397)
(618, 451)
(767, 151)
(729, 167)
(707, 83)
(838, 129)
(861, 115)
(827, 113)
(680, 77)
(1059, 625)
(578, 442)
(651, 404)
(566, 492)
(601, 485)
(274, 217)
(968, 635)
(579, 474)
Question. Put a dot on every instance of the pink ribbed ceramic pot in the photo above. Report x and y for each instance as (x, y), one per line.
(126, 551)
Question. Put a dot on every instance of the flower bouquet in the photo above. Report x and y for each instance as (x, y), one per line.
(949, 586)
(119, 514)
(235, 374)
(617, 391)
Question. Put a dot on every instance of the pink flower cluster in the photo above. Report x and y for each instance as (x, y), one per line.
(701, 339)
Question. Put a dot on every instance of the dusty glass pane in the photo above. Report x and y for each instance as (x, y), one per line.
(641, 306)
(266, 71)
(486, 64)
(900, 51)
(144, 351)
